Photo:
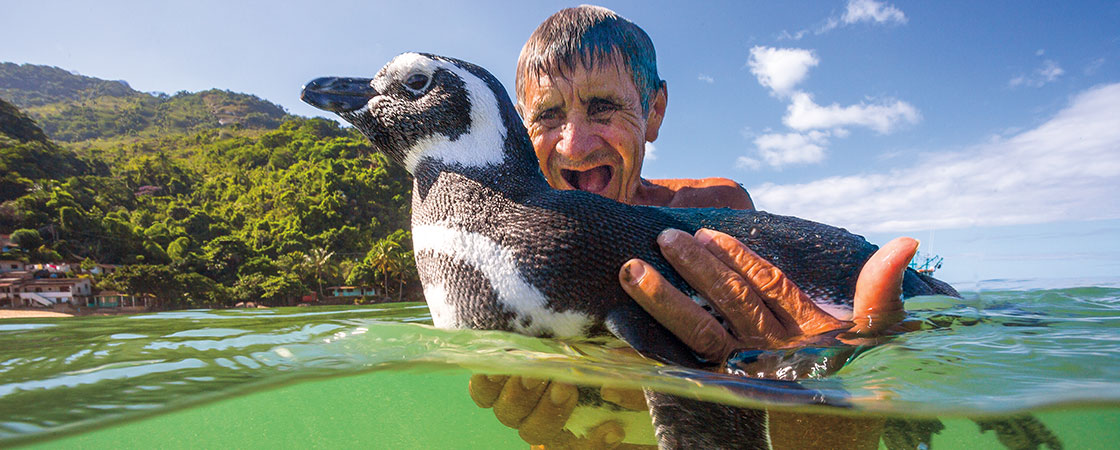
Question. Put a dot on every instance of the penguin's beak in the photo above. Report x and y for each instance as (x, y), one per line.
(338, 94)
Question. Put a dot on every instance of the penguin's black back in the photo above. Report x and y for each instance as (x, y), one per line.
(571, 244)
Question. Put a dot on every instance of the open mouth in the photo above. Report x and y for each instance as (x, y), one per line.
(594, 180)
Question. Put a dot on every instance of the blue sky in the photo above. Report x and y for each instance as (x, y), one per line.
(989, 130)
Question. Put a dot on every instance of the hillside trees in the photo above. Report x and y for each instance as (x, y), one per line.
(26, 238)
(215, 217)
(74, 108)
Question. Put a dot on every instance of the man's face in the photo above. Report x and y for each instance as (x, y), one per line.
(588, 129)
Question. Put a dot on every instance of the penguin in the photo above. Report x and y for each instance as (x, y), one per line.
(498, 249)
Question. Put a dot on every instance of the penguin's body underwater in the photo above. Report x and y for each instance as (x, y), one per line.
(497, 248)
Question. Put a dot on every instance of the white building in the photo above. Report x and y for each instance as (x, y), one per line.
(45, 291)
(11, 265)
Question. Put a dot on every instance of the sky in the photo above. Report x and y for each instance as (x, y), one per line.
(988, 130)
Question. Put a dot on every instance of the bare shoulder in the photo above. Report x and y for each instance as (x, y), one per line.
(700, 193)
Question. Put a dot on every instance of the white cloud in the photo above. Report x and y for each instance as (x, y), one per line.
(780, 69)
(1049, 72)
(804, 114)
(651, 152)
(872, 11)
(778, 149)
(706, 78)
(868, 11)
(1065, 169)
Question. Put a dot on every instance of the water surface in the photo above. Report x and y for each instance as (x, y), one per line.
(382, 377)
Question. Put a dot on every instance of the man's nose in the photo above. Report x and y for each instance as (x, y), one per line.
(576, 140)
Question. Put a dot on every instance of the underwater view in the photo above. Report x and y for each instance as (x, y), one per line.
(382, 377)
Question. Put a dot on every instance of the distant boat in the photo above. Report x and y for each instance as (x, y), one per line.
(924, 263)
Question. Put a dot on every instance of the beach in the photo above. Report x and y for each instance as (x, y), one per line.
(29, 313)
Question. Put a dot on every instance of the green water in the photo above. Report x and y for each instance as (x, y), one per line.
(380, 377)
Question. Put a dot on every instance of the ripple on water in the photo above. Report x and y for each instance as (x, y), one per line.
(992, 352)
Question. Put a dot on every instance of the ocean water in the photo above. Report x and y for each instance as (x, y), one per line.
(382, 377)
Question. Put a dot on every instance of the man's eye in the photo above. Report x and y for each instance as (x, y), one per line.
(601, 110)
(551, 118)
(416, 82)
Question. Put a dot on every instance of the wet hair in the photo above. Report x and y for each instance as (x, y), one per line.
(589, 35)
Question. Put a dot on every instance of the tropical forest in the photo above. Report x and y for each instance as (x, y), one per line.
(204, 199)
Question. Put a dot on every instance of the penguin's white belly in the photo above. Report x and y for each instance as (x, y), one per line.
(499, 266)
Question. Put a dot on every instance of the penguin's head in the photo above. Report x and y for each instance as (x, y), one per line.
(426, 107)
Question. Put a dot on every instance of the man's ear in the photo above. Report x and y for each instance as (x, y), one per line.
(657, 112)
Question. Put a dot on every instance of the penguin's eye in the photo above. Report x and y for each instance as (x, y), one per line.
(416, 82)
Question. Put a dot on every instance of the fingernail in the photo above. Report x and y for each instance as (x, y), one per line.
(704, 236)
(668, 236)
(558, 395)
(495, 378)
(634, 272)
(612, 437)
(530, 384)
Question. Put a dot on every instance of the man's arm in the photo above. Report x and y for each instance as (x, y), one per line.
(693, 193)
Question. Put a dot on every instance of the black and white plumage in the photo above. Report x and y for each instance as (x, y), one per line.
(497, 248)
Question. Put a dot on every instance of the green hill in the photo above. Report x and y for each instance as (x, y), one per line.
(72, 107)
(15, 125)
(208, 198)
(31, 85)
(26, 155)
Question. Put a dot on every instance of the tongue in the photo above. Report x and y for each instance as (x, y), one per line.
(594, 180)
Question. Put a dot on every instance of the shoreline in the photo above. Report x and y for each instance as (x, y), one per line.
(34, 313)
(30, 314)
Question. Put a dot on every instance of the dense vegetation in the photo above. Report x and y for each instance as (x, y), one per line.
(73, 108)
(208, 198)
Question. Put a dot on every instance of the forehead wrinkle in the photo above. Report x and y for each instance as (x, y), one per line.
(549, 96)
(560, 69)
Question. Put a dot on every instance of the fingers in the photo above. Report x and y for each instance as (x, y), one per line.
(878, 299)
(677, 312)
(484, 389)
(538, 409)
(796, 311)
(727, 291)
(545, 422)
(607, 435)
(518, 398)
(632, 399)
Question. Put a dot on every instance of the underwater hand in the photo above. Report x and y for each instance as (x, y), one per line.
(539, 410)
(762, 307)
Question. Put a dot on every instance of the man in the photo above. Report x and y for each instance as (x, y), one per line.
(590, 97)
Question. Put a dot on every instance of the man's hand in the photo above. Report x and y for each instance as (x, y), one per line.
(540, 409)
(763, 308)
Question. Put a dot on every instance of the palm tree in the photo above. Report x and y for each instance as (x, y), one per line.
(381, 258)
(318, 259)
(405, 266)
